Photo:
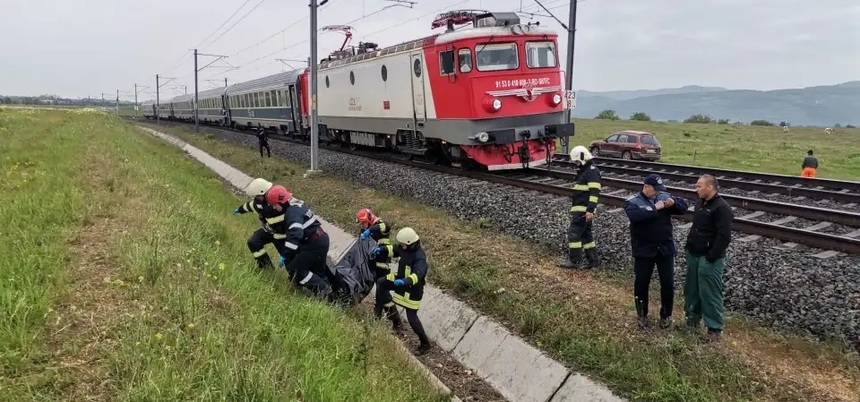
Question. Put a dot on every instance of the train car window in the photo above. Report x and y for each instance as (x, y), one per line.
(446, 62)
(465, 59)
(540, 54)
(384, 73)
(268, 98)
(497, 56)
(416, 67)
(275, 98)
(255, 102)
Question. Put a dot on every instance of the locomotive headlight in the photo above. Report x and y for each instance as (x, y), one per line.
(497, 104)
(483, 136)
(556, 99)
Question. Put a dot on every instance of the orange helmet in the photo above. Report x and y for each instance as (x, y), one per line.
(364, 216)
(278, 195)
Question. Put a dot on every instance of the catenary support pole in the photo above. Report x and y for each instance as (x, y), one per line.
(157, 102)
(136, 107)
(117, 102)
(313, 78)
(196, 124)
(568, 85)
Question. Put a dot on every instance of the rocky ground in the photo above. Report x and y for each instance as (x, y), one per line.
(785, 289)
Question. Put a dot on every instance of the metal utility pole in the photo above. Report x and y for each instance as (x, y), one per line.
(568, 85)
(135, 101)
(313, 78)
(157, 103)
(196, 94)
(117, 102)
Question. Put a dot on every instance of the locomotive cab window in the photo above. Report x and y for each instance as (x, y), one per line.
(497, 56)
(540, 54)
(446, 62)
(465, 60)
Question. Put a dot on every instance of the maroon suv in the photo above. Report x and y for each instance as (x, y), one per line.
(628, 145)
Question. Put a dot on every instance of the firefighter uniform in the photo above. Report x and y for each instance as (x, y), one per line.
(380, 232)
(580, 237)
(305, 248)
(264, 235)
(407, 283)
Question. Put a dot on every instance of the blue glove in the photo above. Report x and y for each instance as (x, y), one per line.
(236, 211)
(375, 252)
(282, 261)
(365, 234)
(399, 282)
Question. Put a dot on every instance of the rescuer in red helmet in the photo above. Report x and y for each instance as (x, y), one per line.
(377, 230)
(306, 244)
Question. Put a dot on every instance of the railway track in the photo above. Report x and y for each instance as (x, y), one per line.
(558, 183)
(849, 191)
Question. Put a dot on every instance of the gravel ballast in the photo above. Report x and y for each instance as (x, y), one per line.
(787, 289)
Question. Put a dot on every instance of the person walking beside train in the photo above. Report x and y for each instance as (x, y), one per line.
(706, 247)
(407, 283)
(809, 165)
(263, 139)
(306, 244)
(652, 242)
(586, 193)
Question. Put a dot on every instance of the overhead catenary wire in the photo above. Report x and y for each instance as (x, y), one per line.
(235, 23)
(224, 23)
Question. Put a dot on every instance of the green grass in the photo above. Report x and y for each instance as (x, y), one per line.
(124, 277)
(742, 147)
(585, 320)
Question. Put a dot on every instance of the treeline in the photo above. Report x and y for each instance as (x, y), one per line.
(609, 114)
(55, 100)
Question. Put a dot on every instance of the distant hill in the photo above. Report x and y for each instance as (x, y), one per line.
(812, 106)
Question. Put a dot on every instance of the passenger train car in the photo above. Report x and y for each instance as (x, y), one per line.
(488, 96)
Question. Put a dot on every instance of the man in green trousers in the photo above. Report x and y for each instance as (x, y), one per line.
(706, 258)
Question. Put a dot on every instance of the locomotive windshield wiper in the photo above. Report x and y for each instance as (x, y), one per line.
(483, 46)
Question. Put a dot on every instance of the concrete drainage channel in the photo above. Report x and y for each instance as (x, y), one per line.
(517, 370)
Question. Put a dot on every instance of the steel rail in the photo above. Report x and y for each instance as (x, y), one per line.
(791, 191)
(657, 167)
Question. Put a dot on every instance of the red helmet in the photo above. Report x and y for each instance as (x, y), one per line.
(278, 195)
(364, 216)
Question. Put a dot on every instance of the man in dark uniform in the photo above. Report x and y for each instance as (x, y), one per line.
(407, 283)
(306, 245)
(263, 139)
(706, 247)
(586, 194)
(650, 213)
(809, 165)
(265, 235)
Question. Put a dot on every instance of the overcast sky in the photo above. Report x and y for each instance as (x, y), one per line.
(85, 47)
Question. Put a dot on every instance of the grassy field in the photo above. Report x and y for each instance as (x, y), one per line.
(584, 319)
(124, 277)
(754, 148)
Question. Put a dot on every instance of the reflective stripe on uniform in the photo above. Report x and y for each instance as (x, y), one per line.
(578, 208)
(279, 236)
(580, 187)
(295, 225)
(290, 246)
(593, 198)
(306, 278)
(414, 279)
(277, 219)
(390, 276)
(589, 245)
(594, 184)
(260, 253)
(383, 265)
(406, 302)
(309, 222)
(575, 244)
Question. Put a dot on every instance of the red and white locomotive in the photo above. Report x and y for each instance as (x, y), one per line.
(489, 95)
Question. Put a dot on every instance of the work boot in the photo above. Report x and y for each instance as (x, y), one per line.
(573, 260)
(714, 335)
(263, 262)
(592, 257)
(665, 322)
(423, 349)
(642, 321)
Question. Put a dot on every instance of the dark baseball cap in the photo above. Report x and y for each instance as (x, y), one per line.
(655, 181)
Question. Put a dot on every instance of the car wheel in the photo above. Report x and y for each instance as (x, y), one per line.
(595, 151)
(626, 155)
